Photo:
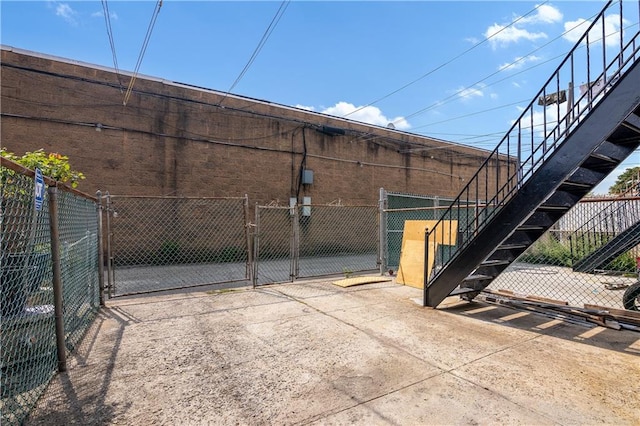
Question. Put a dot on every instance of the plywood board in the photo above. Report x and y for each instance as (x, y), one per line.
(360, 280)
(411, 270)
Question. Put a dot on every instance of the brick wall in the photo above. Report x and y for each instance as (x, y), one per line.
(173, 139)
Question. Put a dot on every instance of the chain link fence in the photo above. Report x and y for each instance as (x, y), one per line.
(274, 244)
(608, 230)
(396, 208)
(314, 240)
(163, 243)
(589, 257)
(337, 240)
(33, 347)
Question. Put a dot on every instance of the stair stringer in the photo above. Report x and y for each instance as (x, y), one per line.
(602, 121)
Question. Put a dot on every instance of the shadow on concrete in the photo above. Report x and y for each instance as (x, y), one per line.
(68, 400)
(575, 330)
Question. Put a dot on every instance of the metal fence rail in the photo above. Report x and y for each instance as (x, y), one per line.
(163, 243)
(32, 289)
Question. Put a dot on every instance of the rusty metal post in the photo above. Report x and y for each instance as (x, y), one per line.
(58, 302)
(110, 274)
(425, 290)
(100, 248)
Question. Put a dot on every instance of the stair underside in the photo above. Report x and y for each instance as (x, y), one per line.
(604, 138)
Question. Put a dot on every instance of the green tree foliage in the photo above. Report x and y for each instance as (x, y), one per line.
(624, 181)
(52, 164)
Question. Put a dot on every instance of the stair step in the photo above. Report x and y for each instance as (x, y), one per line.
(460, 290)
(632, 122)
(538, 220)
(519, 237)
(478, 277)
(496, 262)
(585, 177)
(611, 152)
(561, 200)
(512, 246)
(531, 228)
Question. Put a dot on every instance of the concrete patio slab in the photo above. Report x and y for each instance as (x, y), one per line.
(314, 353)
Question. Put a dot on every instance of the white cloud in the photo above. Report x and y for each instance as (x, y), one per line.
(368, 114)
(100, 14)
(545, 14)
(308, 108)
(467, 93)
(66, 12)
(519, 62)
(501, 36)
(575, 29)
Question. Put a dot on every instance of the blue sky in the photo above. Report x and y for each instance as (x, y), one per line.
(333, 56)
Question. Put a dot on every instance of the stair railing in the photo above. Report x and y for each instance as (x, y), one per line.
(599, 59)
(616, 217)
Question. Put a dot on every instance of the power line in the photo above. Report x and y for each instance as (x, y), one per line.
(261, 43)
(145, 43)
(447, 62)
(502, 69)
(107, 21)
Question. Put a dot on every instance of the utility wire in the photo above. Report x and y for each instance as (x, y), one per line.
(261, 43)
(107, 21)
(447, 62)
(145, 43)
(503, 69)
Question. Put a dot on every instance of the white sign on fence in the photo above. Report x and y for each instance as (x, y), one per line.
(39, 190)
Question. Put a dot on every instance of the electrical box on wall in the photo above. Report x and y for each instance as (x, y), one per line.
(306, 206)
(307, 177)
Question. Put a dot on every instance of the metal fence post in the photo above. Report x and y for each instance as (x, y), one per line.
(100, 248)
(256, 247)
(57, 279)
(295, 243)
(247, 231)
(382, 232)
(425, 290)
(109, 255)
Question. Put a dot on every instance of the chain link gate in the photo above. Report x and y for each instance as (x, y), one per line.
(314, 240)
(167, 243)
(274, 245)
(337, 240)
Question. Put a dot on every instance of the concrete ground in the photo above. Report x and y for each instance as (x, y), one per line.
(314, 353)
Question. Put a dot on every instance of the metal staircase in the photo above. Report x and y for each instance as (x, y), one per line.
(605, 254)
(549, 159)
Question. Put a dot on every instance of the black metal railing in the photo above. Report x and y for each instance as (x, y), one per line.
(599, 58)
(615, 218)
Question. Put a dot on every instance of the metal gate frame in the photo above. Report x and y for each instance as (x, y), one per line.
(186, 269)
(285, 244)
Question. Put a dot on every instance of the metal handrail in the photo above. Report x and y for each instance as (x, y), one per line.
(612, 220)
(522, 151)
